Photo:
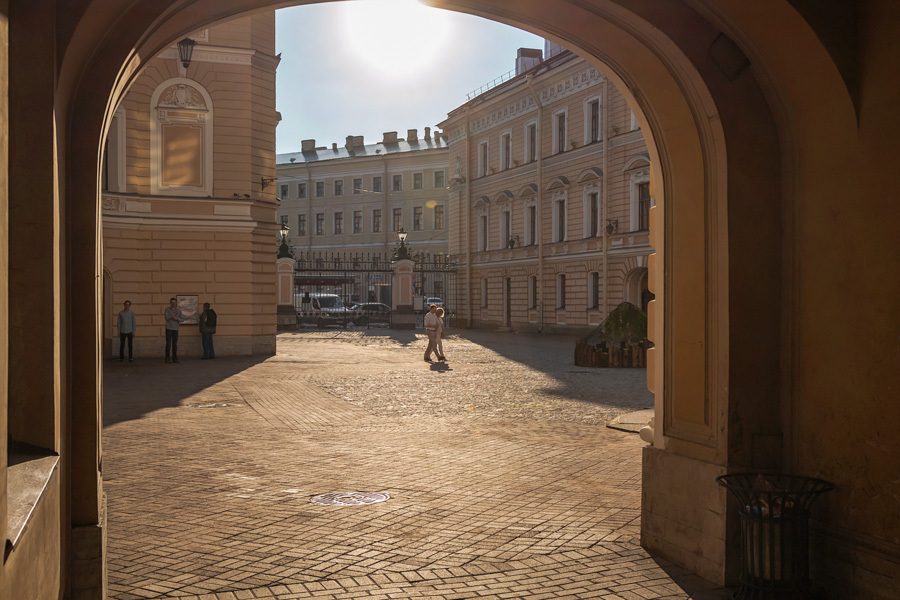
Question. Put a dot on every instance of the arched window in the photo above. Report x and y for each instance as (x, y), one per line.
(181, 132)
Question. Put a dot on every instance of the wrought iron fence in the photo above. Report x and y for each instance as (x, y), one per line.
(339, 288)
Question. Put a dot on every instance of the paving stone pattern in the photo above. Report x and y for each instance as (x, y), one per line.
(503, 481)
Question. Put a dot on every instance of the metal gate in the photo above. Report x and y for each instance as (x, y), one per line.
(339, 288)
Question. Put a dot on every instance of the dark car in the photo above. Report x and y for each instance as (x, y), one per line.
(371, 312)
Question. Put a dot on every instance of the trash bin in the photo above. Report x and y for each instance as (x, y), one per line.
(774, 532)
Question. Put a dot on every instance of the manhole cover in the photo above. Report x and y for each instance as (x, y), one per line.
(349, 498)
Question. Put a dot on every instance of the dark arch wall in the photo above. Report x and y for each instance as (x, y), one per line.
(773, 217)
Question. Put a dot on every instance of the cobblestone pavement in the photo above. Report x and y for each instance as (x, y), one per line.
(503, 481)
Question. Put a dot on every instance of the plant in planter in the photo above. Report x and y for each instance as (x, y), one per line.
(626, 323)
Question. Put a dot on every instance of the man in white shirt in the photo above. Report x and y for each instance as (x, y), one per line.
(432, 323)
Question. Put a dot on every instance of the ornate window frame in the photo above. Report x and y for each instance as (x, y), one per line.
(173, 103)
(598, 98)
(483, 216)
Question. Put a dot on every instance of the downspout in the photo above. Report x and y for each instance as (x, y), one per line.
(468, 205)
(539, 208)
(604, 190)
(385, 189)
(309, 196)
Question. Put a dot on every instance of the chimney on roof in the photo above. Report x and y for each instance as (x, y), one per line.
(334, 146)
(390, 137)
(412, 135)
(349, 143)
(428, 134)
(527, 58)
(308, 145)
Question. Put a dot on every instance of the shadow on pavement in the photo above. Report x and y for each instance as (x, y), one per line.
(693, 585)
(554, 354)
(132, 390)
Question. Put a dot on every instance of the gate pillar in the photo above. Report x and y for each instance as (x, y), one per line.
(287, 314)
(402, 290)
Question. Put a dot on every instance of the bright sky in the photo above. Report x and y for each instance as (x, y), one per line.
(370, 66)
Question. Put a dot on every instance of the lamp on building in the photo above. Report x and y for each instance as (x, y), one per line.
(402, 253)
(185, 51)
(612, 225)
(284, 251)
(266, 181)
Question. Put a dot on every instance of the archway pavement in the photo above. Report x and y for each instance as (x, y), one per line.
(503, 480)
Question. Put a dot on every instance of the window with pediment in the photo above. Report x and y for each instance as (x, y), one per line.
(181, 139)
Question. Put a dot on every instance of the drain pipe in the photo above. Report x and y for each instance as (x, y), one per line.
(468, 204)
(309, 214)
(539, 230)
(604, 189)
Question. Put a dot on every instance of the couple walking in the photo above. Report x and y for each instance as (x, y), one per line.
(434, 327)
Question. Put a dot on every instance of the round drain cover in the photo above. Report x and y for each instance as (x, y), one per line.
(349, 498)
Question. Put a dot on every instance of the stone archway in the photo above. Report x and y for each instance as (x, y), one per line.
(701, 73)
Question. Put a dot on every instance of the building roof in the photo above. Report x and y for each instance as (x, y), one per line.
(368, 150)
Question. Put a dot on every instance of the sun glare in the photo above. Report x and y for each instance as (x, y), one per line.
(399, 38)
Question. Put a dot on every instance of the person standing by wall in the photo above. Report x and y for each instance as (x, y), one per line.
(207, 329)
(173, 321)
(126, 326)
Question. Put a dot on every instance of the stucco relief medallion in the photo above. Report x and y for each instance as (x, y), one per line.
(182, 95)
(110, 203)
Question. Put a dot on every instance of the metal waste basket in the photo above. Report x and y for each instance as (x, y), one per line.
(774, 532)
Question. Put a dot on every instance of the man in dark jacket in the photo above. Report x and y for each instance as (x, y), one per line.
(207, 329)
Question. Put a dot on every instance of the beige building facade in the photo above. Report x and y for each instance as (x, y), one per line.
(355, 198)
(188, 206)
(549, 198)
(772, 130)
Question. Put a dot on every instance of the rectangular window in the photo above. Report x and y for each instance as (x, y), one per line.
(533, 291)
(439, 179)
(284, 220)
(594, 132)
(505, 150)
(338, 223)
(531, 150)
(560, 291)
(357, 185)
(338, 187)
(357, 221)
(301, 190)
(283, 192)
(643, 206)
(482, 159)
(418, 181)
(439, 216)
(376, 220)
(484, 293)
(417, 218)
(301, 224)
(483, 233)
(398, 219)
(320, 223)
(531, 226)
(505, 233)
(397, 184)
(376, 184)
(560, 132)
(594, 215)
(560, 214)
(320, 189)
(594, 290)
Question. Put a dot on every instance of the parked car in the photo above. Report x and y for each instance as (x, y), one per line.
(322, 309)
(429, 300)
(371, 312)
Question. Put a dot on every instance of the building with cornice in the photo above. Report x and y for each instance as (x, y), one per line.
(549, 199)
(188, 207)
(356, 197)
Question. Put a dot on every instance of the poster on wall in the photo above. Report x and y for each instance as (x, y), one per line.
(189, 306)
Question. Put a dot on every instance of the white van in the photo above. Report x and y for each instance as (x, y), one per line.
(321, 309)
